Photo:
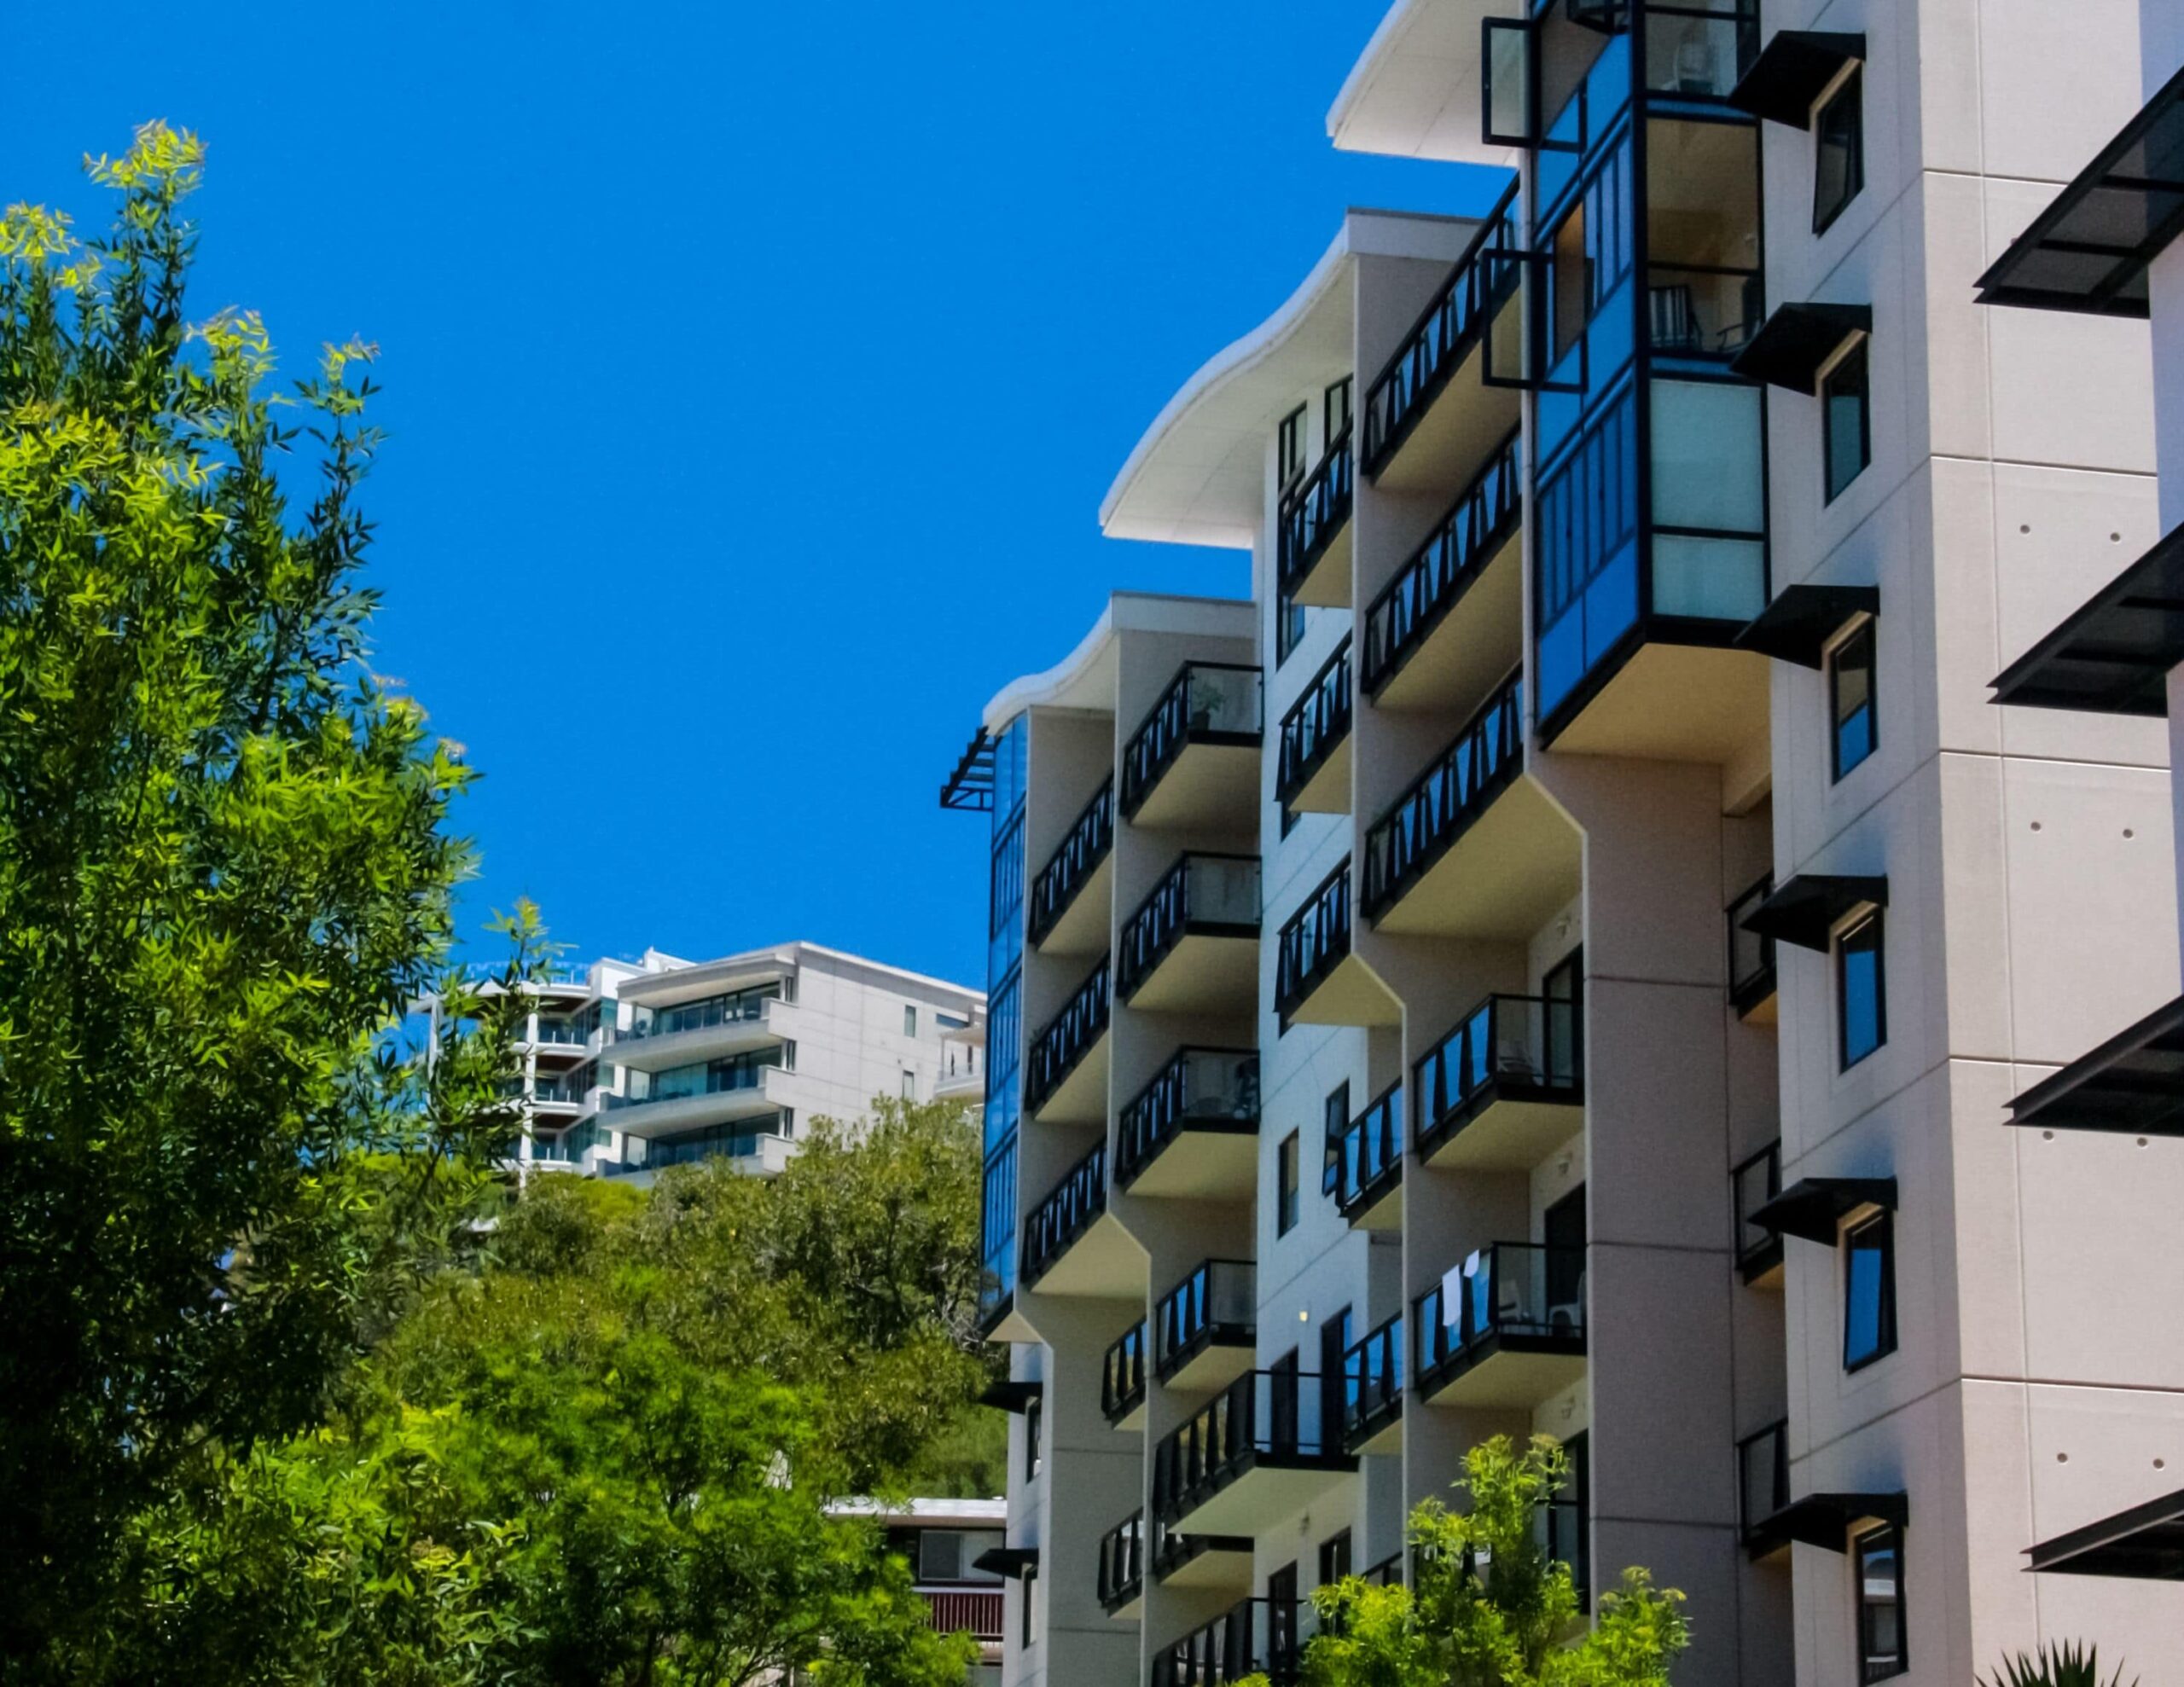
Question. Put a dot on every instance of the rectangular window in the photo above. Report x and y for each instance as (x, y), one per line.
(1869, 1292)
(1335, 410)
(1878, 1558)
(1281, 1640)
(1850, 695)
(1034, 1427)
(909, 1086)
(1031, 1587)
(1285, 1194)
(909, 1021)
(1334, 1557)
(1839, 133)
(1289, 451)
(1846, 421)
(1288, 628)
(940, 1556)
(1333, 1126)
(1860, 990)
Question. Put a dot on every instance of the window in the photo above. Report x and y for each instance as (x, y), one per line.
(1289, 451)
(1031, 1585)
(909, 1086)
(1877, 1556)
(1335, 410)
(1334, 1557)
(909, 1020)
(1838, 130)
(1034, 1428)
(1285, 1194)
(1565, 1518)
(1869, 1293)
(788, 1054)
(1850, 697)
(1333, 1127)
(1288, 628)
(1281, 1622)
(1845, 422)
(1860, 990)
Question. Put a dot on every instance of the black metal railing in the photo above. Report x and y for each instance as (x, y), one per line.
(1754, 1183)
(1315, 725)
(1122, 1374)
(1512, 1289)
(1214, 1089)
(1067, 1037)
(1762, 1477)
(1263, 1414)
(1067, 1214)
(1523, 1048)
(1172, 1549)
(1314, 942)
(1091, 836)
(1464, 779)
(1122, 1563)
(1216, 1303)
(1219, 703)
(1388, 1573)
(1447, 329)
(1442, 569)
(1252, 1638)
(1372, 1154)
(1210, 895)
(1313, 513)
(1372, 1383)
(1752, 957)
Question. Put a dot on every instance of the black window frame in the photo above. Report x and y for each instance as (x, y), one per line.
(1334, 1125)
(1846, 108)
(1336, 1557)
(1030, 1584)
(1857, 355)
(1287, 1208)
(1290, 624)
(1882, 1225)
(1872, 1665)
(1034, 1432)
(1291, 455)
(1863, 637)
(1852, 939)
(1340, 392)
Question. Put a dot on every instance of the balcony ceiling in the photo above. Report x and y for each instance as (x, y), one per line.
(1414, 90)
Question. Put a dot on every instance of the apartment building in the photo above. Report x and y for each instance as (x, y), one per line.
(1560, 957)
(942, 1542)
(631, 1066)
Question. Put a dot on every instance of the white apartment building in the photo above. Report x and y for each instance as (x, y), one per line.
(1562, 955)
(631, 1066)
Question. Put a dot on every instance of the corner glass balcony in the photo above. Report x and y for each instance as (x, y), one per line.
(1505, 1088)
(1121, 1567)
(733, 1023)
(1313, 531)
(1192, 1132)
(1065, 1080)
(1206, 1329)
(1254, 1636)
(1368, 1177)
(1751, 959)
(1507, 1328)
(1194, 761)
(1257, 1452)
(1372, 1390)
(1313, 776)
(1763, 1488)
(1317, 980)
(1759, 1248)
(1122, 1380)
(1073, 1247)
(1193, 946)
(1069, 908)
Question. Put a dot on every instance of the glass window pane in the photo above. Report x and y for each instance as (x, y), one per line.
(1861, 1001)
(1707, 465)
(1838, 153)
(1845, 420)
(1878, 1560)
(1868, 1294)
(1852, 680)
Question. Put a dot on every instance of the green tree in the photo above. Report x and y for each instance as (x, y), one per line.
(225, 870)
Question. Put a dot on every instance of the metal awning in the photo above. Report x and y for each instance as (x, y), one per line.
(971, 785)
(1008, 1561)
(2113, 654)
(1824, 1520)
(1793, 343)
(1012, 1396)
(2090, 250)
(1806, 909)
(2144, 1544)
(1813, 1209)
(2134, 1083)
(1791, 71)
(1796, 626)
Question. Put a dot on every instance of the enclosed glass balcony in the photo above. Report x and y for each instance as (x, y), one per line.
(1368, 1177)
(1076, 866)
(1206, 1327)
(1256, 1452)
(1192, 1132)
(1372, 1390)
(1313, 776)
(1505, 1088)
(1505, 1329)
(1194, 761)
(1193, 944)
(1313, 539)
(1065, 1083)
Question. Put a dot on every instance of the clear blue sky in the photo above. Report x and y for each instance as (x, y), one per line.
(753, 376)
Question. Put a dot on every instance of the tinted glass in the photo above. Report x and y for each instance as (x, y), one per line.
(1838, 151)
(1860, 994)
(1843, 412)
(1284, 1217)
(1880, 1558)
(1868, 1294)
(1851, 680)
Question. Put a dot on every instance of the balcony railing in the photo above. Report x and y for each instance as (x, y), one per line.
(1517, 1047)
(1090, 837)
(1256, 1637)
(703, 1077)
(1372, 1383)
(1756, 1182)
(1371, 1155)
(1442, 570)
(1217, 703)
(565, 1032)
(1068, 1037)
(1203, 896)
(1427, 819)
(1263, 1415)
(1314, 514)
(1314, 942)
(564, 1092)
(1076, 1202)
(1388, 1573)
(1203, 1088)
(1172, 1549)
(1512, 1290)
(1122, 1375)
(1218, 1303)
(1122, 1563)
(1752, 957)
(1762, 1478)
(1315, 725)
(736, 1007)
(976, 1612)
(1449, 327)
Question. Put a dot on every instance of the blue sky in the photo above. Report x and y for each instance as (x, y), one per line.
(753, 376)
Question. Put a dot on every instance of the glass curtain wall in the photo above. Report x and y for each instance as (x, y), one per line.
(1005, 1015)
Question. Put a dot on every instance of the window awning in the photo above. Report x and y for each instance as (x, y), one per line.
(1012, 1396)
(1813, 1209)
(971, 785)
(1824, 1520)
(1796, 626)
(2112, 656)
(2089, 251)
(1008, 1561)
(2144, 1544)
(1803, 911)
(2134, 1083)
(1793, 343)
(1791, 71)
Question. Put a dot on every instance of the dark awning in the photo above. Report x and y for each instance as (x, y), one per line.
(2146, 1543)
(2113, 654)
(1802, 619)
(1805, 910)
(2134, 1083)
(971, 785)
(1793, 343)
(2089, 251)
(1793, 71)
(1824, 1520)
(1008, 1561)
(1813, 1209)
(1012, 1396)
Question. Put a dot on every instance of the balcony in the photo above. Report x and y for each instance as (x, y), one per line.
(1368, 1177)
(1372, 1390)
(1122, 1380)
(1194, 763)
(1313, 775)
(1317, 980)
(1192, 1132)
(1193, 946)
(975, 1611)
(737, 1023)
(1206, 1327)
(1763, 1488)
(1429, 415)
(1510, 1331)
(1473, 849)
(1200, 1560)
(1121, 1567)
(1065, 1077)
(1252, 1455)
(1505, 1088)
(1313, 537)
(1255, 1637)
(1451, 622)
(1069, 901)
(741, 1089)
(1751, 959)
(1072, 1246)
(1759, 1249)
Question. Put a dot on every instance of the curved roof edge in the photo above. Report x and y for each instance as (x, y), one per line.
(1050, 685)
(1085, 678)
(1415, 89)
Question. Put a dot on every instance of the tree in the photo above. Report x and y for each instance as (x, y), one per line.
(225, 870)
